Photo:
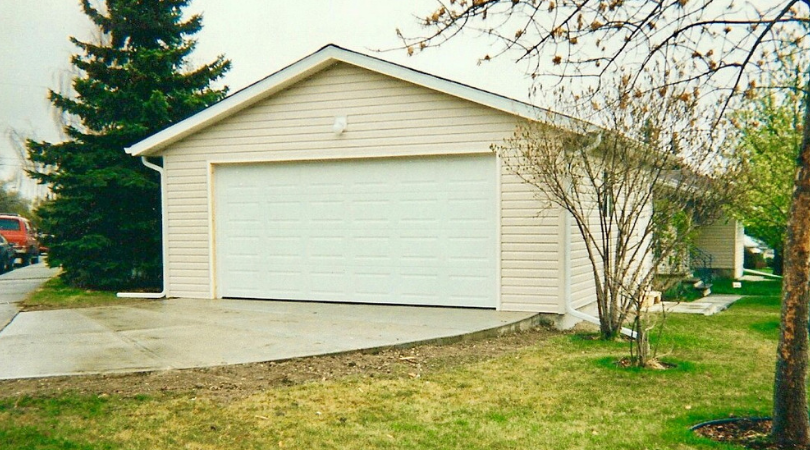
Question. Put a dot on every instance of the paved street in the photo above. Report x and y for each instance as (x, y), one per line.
(17, 284)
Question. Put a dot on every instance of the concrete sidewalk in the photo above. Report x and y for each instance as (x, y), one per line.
(707, 306)
(17, 284)
(186, 333)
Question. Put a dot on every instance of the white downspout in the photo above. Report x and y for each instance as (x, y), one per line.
(569, 307)
(164, 231)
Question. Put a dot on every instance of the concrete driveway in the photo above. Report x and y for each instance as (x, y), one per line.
(186, 333)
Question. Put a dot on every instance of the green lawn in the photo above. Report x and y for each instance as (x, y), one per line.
(766, 288)
(55, 294)
(562, 392)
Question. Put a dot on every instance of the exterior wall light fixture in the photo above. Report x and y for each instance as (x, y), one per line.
(341, 123)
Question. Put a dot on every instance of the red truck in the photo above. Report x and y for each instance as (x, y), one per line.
(19, 232)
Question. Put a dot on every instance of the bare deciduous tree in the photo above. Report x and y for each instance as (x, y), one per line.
(634, 191)
(720, 48)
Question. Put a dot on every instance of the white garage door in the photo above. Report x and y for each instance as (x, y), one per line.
(419, 231)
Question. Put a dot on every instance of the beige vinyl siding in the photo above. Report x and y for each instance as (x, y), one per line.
(739, 250)
(723, 240)
(188, 231)
(386, 118)
(583, 290)
(530, 249)
(645, 238)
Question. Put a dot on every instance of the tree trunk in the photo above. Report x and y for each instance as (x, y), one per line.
(791, 427)
(641, 344)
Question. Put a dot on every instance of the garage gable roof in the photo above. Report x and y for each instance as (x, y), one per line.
(315, 62)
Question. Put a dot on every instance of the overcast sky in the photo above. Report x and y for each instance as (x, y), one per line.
(258, 36)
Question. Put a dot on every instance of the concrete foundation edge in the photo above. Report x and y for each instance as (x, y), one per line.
(526, 324)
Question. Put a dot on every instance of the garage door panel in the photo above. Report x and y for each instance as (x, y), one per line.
(374, 282)
(467, 225)
(318, 188)
(283, 247)
(420, 299)
(374, 249)
(285, 211)
(467, 246)
(405, 231)
(245, 193)
(244, 244)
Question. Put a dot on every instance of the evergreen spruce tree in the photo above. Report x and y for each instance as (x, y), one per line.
(103, 227)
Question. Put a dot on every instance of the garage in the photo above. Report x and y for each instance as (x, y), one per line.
(410, 230)
(346, 178)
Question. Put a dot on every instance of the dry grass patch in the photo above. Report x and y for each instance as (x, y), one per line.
(55, 294)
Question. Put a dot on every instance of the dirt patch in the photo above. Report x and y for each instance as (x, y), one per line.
(749, 433)
(29, 305)
(239, 381)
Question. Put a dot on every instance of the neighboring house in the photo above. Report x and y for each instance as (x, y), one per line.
(723, 242)
(757, 254)
(346, 178)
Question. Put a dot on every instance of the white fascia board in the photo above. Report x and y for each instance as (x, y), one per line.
(326, 57)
